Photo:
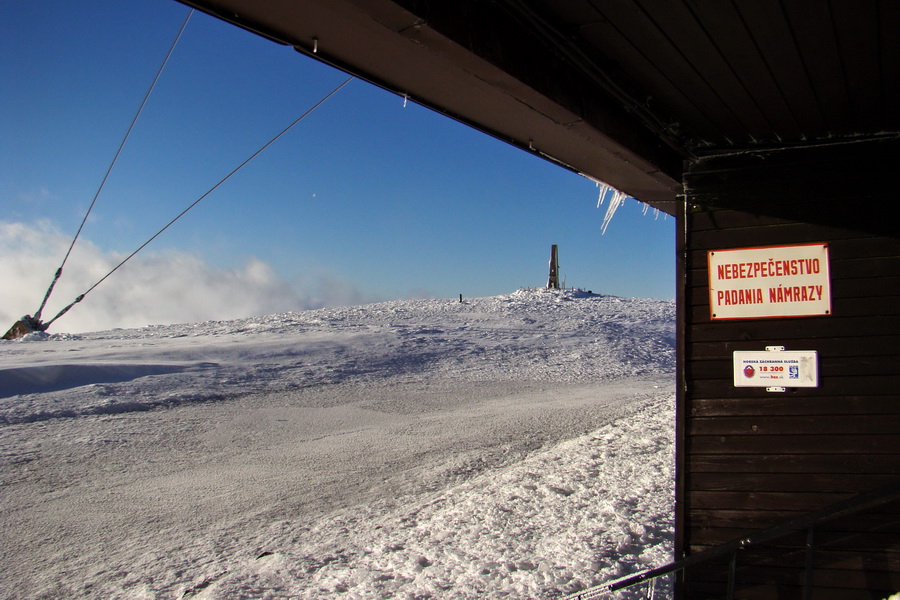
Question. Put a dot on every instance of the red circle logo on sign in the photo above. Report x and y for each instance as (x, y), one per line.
(749, 371)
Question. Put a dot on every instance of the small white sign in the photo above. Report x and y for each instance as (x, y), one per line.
(772, 281)
(790, 368)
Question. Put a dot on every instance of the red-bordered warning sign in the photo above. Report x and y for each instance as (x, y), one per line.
(768, 282)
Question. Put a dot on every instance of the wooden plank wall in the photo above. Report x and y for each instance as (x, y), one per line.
(749, 458)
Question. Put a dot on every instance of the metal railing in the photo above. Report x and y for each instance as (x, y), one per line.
(807, 522)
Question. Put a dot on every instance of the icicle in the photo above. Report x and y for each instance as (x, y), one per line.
(617, 200)
(604, 189)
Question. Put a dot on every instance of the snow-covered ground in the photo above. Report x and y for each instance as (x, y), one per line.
(518, 446)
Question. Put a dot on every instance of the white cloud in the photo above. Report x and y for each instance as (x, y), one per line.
(152, 288)
(42, 195)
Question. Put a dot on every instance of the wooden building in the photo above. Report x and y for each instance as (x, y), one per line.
(757, 124)
(752, 458)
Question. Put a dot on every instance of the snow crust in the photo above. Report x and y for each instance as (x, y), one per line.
(518, 446)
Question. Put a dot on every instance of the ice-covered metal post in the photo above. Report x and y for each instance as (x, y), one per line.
(553, 282)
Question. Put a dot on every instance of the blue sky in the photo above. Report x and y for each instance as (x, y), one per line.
(384, 201)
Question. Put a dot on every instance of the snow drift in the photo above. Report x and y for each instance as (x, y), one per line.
(515, 446)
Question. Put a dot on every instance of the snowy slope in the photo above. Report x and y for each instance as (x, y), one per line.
(515, 446)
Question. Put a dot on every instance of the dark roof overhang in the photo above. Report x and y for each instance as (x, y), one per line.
(623, 91)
